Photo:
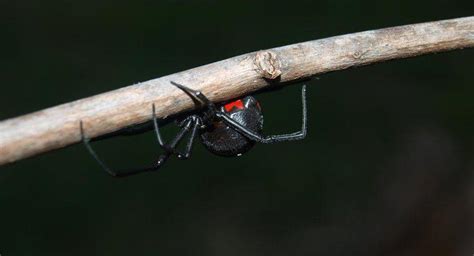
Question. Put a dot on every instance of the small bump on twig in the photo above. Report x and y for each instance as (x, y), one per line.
(267, 64)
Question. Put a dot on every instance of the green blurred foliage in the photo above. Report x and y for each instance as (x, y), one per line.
(389, 145)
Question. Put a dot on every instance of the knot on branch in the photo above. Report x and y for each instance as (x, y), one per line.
(267, 64)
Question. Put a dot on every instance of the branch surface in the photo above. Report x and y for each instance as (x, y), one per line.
(58, 126)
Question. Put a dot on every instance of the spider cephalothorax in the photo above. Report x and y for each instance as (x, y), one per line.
(229, 129)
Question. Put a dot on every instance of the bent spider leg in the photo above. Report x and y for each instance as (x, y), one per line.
(133, 171)
(155, 124)
(183, 123)
(197, 95)
(170, 149)
(86, 143)
(271, 138)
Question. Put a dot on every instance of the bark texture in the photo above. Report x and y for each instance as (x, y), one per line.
(58, 126)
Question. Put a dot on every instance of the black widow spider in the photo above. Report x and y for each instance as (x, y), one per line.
(229, 129)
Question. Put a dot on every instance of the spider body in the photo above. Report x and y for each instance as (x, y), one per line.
(229, 129)
(221, 139)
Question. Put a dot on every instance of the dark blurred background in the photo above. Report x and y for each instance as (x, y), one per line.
(387, 167)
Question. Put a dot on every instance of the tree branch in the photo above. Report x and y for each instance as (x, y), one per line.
(56, 127)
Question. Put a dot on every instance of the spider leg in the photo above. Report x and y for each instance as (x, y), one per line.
(86, 143)
(189, 145)
(197, 95)
(155, 125)
(169, 150)
(171, 147)
(104, 166)
(180, 124)
(271, 138)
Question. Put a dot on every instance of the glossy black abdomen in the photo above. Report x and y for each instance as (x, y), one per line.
(223, 140)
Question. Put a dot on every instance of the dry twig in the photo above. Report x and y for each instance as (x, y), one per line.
(56, 127)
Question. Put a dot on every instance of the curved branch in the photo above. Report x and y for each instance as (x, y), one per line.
(58, 126)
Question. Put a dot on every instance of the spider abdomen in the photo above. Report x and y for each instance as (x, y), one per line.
(223, 140)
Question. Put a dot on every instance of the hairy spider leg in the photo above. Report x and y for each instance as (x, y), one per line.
(271, 138)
